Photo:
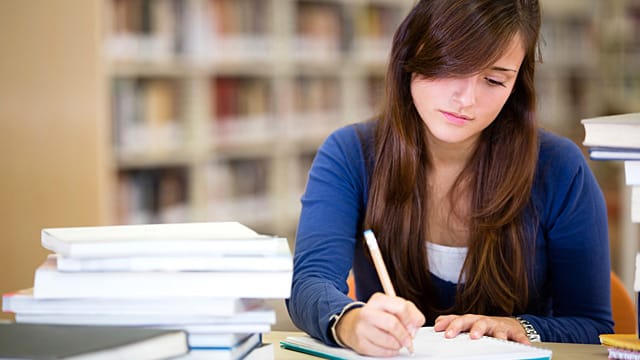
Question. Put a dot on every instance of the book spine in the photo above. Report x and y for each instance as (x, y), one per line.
(636, 288)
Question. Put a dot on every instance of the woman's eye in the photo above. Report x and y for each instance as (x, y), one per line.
(494, 82)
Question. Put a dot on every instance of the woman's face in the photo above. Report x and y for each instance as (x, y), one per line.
(457, 109)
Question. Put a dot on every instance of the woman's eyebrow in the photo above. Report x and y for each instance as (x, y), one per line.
(500, 68)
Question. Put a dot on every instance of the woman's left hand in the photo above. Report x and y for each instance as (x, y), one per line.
(500, 327)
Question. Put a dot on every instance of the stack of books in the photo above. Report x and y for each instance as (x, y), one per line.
(210, 280)
(617, 137)
(622, 346)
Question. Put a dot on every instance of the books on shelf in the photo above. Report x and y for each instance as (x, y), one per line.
(429, 344)
(49, 282)
(208, 238)
(38, 341)
(617, 131)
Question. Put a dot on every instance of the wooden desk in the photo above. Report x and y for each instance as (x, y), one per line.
(560, 351)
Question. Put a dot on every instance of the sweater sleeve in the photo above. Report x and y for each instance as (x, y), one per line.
(574, 226)
(332, 208)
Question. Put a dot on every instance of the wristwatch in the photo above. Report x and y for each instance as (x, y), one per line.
(531, 332)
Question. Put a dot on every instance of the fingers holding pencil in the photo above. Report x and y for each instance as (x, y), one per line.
(411, 318)
(382, 327)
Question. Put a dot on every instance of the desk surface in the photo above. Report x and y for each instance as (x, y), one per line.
(560, 351)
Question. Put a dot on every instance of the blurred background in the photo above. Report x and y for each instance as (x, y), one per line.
(145, 111)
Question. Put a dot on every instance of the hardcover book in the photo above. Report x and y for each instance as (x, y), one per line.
(24, 302)
(211, 238)
(37, 341)
(51, 283)
(619, 131)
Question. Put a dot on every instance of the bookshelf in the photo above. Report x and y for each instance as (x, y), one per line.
(218, 106)
(94, 80)
(591, 59)
(620, 48)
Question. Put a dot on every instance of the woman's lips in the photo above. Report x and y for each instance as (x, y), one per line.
(455, 118)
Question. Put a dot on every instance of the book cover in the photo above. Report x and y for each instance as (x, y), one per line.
(429, 344)
(37, 341)
(211, 238)
(622, 341)
(632, 172)
(260, 316)
(279, 261)
(24, 302)
(613, 131)
(635, 203)
(51, 283)
(220, 328)
(237, 351)
(609, 153)
(216, 340)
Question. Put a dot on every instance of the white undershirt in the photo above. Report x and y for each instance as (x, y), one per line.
(446, 262)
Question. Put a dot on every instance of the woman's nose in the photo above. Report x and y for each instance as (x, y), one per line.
(464, 90)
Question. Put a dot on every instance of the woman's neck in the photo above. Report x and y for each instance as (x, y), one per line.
(447, 155)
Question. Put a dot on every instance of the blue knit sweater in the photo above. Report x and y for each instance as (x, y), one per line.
(570, 293)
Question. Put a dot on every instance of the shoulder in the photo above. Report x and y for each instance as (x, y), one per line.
(350, 140)
(559, 157)
(352, 133)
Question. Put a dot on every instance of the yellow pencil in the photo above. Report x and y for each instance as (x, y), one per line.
(381, 269)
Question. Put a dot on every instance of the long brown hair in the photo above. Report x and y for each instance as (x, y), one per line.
(443, 38)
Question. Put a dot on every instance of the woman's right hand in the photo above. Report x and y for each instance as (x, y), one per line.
(381, 327)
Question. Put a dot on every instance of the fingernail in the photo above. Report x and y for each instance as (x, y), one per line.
(409, 345)
(413, 331)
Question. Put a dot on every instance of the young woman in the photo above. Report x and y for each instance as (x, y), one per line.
(487, 224)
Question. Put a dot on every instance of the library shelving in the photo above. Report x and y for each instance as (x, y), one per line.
(218, 106)
(226, 100)
(115, 118)
(590, 68)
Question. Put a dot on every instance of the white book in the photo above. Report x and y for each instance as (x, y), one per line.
(51, 283)
(211, 238)
(632, 172)
(238, 351)
(280, 261)
(24, 302)
(609, 153)
(266, 316)
(635, 203)
(219, 328)
(620, 131)
(262, 352)
(216, 340)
